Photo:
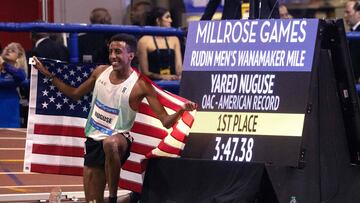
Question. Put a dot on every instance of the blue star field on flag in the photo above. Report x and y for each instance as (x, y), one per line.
(51, 101)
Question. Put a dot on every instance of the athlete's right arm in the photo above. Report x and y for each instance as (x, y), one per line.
(72, 92)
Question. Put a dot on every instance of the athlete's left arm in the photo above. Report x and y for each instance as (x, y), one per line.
(166, 119)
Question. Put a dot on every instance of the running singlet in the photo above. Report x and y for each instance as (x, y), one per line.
(110, 110)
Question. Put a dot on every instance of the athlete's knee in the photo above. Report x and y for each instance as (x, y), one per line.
(113, 146)
(110, 146)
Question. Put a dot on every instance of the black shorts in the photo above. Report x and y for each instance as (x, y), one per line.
(95, 155)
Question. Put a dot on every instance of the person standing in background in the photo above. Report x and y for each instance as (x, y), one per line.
(352, 15)
(352, 19)
(264, 9)
(160, 56)
(93, 47)
(138, 12)
(283, 12)
(45, 47)
(232, 9)
(13, 66)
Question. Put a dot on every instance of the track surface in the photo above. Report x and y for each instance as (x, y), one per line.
(15, 182)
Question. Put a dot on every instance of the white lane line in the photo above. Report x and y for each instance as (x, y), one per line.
(12, 160)
(25, 173)
(18, 173)
(12, 138)
(13, 149)
(38, 186)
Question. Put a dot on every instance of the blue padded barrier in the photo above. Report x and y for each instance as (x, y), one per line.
(74, 28)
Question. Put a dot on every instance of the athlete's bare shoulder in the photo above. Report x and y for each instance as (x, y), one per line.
(139, 91)
(144, 83)
(142, 87)
(98, 70)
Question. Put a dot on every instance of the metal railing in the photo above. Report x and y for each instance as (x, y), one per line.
(74, 28)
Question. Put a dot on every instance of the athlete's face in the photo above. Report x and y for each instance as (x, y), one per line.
(119, 55)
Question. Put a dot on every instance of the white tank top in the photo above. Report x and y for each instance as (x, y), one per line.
(110, 109)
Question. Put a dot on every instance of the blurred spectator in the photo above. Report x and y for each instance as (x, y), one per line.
(283, 12)
(45, 47)
(138, 12)
(232, 9)
(177, 10)
(93, 46)
(160, 56)
(100, 16)
(352, 19)
(13, 62)
(352, 15)
(264, 9)
(59, 38)
(13, 68)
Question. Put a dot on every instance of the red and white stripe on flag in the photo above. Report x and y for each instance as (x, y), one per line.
(55, 141)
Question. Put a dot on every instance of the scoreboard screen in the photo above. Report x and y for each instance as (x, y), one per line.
(251, 80)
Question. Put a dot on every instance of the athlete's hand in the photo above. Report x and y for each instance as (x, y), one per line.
(189, 106)
(41, 68)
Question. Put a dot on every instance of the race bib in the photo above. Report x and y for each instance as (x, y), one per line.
(104, 118)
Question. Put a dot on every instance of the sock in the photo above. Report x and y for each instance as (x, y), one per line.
(112, 199)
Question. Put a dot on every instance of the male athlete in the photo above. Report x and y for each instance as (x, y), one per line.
(117, 92)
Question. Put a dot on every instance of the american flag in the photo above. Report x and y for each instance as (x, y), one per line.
(55, 134)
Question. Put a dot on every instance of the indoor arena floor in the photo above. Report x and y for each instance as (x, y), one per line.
(18, 186)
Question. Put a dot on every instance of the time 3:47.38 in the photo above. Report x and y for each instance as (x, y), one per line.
(227, 149)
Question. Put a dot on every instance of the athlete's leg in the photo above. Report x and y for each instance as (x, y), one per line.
(94, 183)
(94, 171)
(115, 148)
